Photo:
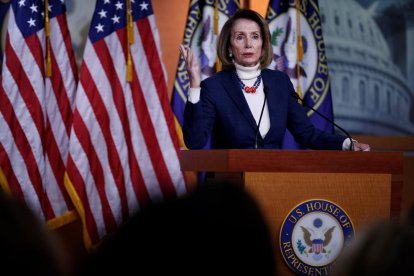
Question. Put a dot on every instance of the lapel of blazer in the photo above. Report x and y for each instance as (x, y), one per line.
(231, 86)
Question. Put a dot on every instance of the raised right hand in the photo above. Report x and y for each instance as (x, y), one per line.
(192, 66)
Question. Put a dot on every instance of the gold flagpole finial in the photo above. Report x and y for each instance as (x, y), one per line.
(47, 31)
(130, 23)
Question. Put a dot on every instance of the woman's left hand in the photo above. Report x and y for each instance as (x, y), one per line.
(191, 64)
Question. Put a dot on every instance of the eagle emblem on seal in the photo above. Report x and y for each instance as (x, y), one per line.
(317, 240)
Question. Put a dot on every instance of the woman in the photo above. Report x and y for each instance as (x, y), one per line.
(233, 105)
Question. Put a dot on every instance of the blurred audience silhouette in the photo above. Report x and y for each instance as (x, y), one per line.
(216, 230)
(382, 248)
(26, 246)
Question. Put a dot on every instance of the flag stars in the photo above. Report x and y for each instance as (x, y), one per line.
(144, 6)
(107, 2)
(49, 8)
(119, 5)
(99, 28)
(22, 3)
(102, 13)
(33, 7)
(32, 22)
(115, 19)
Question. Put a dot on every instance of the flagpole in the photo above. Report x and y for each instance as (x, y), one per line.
(130, 40)
(47, 30)
(299, 46)
(216, 30)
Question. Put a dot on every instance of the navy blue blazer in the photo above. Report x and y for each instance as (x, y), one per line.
(223, 111)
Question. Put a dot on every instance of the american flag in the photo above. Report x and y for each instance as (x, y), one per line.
(36, 111)
(123, 145)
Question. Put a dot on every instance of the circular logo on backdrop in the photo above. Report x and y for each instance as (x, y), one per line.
(292, 30)
(285, 40)
(204, 41)
(313, 235)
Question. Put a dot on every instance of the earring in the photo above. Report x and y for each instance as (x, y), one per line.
(230, 54)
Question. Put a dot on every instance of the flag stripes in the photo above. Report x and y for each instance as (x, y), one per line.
(24, 162)
(37, 111)
(60, 92)
(117, 138)
(123, 147)
(13, 186)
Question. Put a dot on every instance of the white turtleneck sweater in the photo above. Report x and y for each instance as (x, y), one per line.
(248, 76)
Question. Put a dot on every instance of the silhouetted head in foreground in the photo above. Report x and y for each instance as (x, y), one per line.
(384, 248)
(26, 246)
(216, 230)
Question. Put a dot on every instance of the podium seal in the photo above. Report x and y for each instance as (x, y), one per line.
(313, 235)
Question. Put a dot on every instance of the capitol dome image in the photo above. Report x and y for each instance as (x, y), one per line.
(370, 93)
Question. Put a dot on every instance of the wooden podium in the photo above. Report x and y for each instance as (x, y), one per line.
(366, 185)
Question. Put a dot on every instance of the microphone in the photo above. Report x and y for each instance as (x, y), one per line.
(297, 97)
(266, 91)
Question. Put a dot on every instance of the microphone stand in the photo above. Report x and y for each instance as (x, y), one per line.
(297, 97)
(266, 91)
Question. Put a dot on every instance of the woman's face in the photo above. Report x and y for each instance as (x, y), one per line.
(246, 42)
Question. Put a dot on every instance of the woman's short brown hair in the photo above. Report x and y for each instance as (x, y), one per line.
(223, 44)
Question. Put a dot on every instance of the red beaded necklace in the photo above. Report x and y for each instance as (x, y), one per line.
(249, 89)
